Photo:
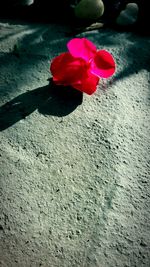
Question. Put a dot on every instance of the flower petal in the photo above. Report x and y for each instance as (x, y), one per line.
(88, 84)
(81, 47)
(67, 70)
(103, 64)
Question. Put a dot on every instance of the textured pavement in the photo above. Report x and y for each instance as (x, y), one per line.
(74, 169)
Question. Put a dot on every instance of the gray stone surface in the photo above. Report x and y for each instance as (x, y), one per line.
(74, 185)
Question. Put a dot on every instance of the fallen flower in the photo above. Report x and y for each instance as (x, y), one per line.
(82, 66)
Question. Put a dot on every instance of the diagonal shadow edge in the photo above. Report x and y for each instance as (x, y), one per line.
(50, 100)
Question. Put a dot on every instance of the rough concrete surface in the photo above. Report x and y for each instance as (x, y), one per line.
(75, 169)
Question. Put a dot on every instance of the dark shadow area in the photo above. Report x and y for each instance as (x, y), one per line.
(134, 57)
(49, 100)
(29, 33)
(31, 51)
(137, 56)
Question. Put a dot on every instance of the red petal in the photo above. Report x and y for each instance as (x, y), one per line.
(103, 64)
(88, 84)
(67, 70)
(81, 47)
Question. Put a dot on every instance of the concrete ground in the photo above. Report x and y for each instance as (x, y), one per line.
(75, 169)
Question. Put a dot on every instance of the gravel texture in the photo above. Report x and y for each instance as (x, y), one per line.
(75, 169)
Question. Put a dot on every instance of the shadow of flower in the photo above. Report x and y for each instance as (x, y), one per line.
(49, 100)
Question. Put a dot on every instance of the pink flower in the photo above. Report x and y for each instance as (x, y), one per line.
(82, 66)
